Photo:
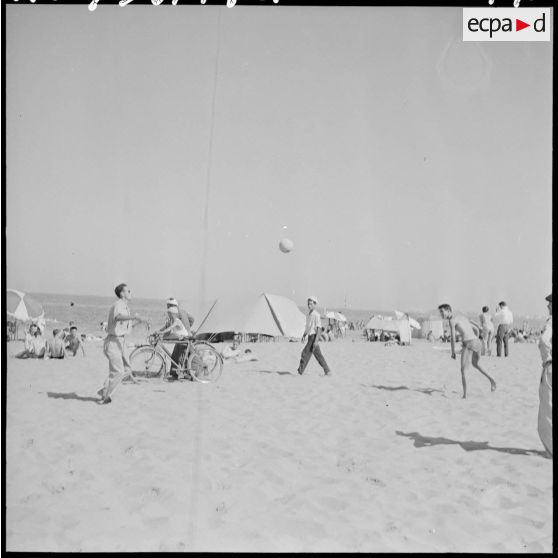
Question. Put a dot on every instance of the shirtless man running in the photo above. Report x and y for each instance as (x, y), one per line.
(472, 345)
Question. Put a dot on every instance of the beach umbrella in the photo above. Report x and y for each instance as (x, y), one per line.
(335, 316)
(23, 307)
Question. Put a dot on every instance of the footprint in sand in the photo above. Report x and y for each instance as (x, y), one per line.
(221, 508)
(533, 491)
(375, 481)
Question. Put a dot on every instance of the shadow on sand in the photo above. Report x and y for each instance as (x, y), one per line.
(72, 395)
(280, 372)
(426, 391)
(427, 441)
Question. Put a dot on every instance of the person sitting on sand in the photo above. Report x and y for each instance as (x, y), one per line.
(55, 348)
(246, 356)
(74, 342)
(472, 345)
(35, 344)
(11, 330)
(232, 351)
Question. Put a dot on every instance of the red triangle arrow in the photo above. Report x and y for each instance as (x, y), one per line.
(519, 25)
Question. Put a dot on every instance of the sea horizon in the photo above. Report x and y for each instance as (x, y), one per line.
(91, 309)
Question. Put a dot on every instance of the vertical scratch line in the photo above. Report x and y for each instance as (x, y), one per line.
(209, 166)
(197, 429)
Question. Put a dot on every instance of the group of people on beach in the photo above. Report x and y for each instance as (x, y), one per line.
(498, 326)
(64, 342)
(472, 347)
(475, 339)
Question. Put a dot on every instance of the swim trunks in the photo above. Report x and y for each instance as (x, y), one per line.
(474, 345)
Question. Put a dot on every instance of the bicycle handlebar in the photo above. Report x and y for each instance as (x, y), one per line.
(156, 336)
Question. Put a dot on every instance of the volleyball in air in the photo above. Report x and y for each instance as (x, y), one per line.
(286, 245)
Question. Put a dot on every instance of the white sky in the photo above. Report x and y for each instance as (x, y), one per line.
(408, 167)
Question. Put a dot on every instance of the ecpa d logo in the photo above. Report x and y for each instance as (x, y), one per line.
(506, 24)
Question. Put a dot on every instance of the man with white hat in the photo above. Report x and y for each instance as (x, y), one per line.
(312, 331)
(176, 318)
(184, 316)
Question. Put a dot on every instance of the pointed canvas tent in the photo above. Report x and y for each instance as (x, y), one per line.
(266, 314)
(291, 320)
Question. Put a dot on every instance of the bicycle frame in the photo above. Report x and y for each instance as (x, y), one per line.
(204, 364)
(159, 347)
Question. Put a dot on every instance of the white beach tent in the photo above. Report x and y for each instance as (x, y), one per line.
(383, 324)
(435, 324)
(265, 314)
(412, 322)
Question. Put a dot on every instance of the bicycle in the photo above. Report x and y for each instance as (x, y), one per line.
(199, 361)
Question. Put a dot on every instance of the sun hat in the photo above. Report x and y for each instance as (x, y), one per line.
(313, 299)
(172, 302)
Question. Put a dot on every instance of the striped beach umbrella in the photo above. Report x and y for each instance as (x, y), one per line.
(23, 307)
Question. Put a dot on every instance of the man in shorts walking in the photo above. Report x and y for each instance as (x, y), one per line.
(472, 345)
(312, 331)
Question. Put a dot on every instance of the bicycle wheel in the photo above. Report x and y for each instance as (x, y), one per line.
(146, 362)
(205, 363)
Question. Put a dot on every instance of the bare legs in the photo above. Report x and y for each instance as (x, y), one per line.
(489, 336)
(470, 359)
(28, 354)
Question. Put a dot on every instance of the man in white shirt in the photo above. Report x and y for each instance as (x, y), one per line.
(504, 321)
(119, 324)
(312, 331)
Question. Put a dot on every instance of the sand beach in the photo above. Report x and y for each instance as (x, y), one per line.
(382, 456)
(272, 171)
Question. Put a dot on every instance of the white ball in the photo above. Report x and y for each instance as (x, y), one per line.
(286, 245)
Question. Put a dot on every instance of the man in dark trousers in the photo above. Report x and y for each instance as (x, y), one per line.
(504, 320)
(312, 331)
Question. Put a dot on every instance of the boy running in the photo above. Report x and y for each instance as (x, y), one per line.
(472, 345)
